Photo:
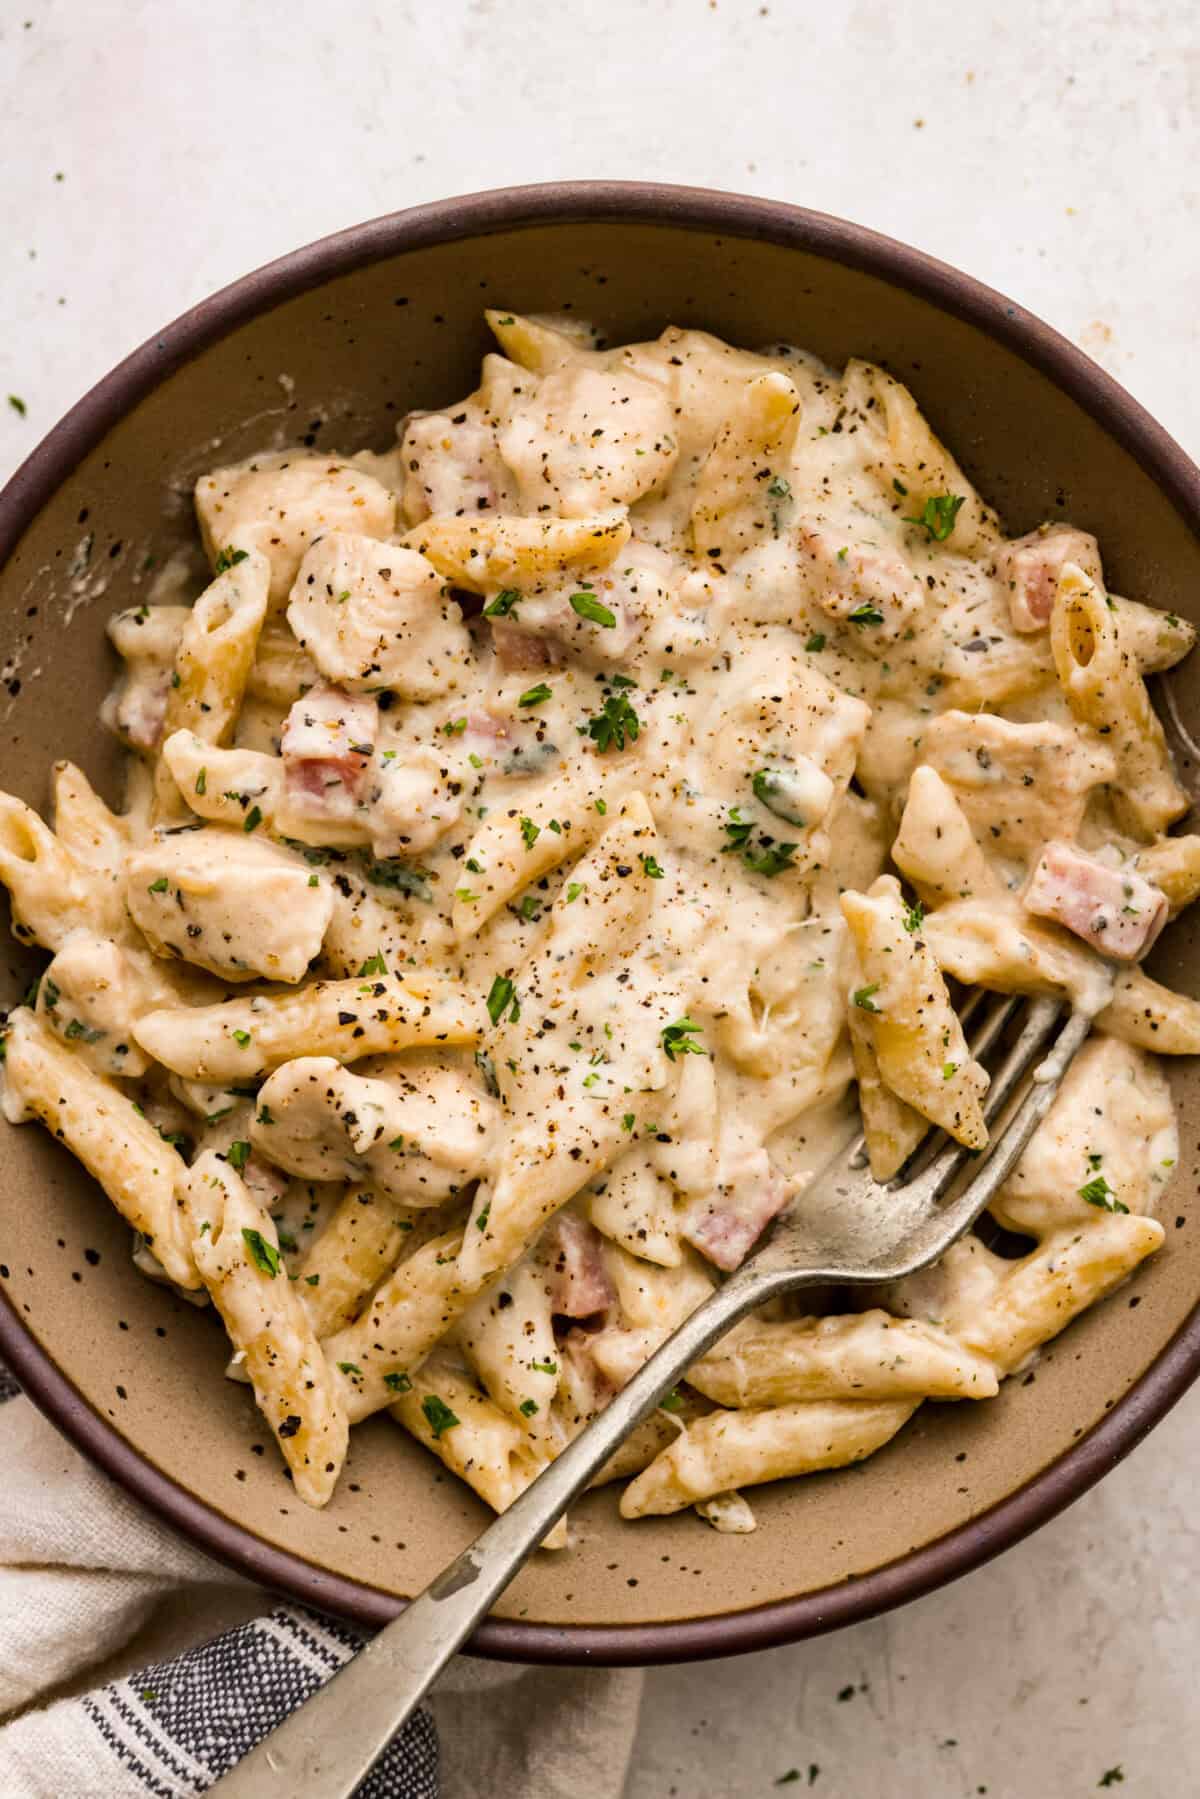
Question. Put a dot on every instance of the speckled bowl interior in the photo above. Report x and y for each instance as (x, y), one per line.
(330, 347)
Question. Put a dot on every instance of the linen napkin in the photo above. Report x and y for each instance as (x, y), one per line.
(117, 1678)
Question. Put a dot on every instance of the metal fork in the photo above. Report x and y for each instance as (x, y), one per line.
(847, 1230)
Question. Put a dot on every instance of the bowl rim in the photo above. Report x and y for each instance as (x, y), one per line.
(703, 210)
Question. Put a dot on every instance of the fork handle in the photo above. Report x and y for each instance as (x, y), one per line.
(328, 1744)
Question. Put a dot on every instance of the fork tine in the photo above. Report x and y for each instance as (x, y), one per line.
(998, 1160)
(997, 1016)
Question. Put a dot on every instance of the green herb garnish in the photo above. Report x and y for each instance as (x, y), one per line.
(588, 606)
(503, 603)
(677, 1039)
(500, 996)
(438, 1415)
(617, 724)
(264, 1255)
(938, 514)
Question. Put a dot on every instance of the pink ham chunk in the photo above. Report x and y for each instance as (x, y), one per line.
(579, 1286)
(1030, 567)
(726, 1226)
(1117, 911)
(141, 709)
(518, 649)
(855, 581)
(327, 744)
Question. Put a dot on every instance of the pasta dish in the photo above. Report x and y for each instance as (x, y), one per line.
(544, 842)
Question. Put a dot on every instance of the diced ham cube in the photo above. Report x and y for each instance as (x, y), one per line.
(487, 727)
(1030, 567)
(516, 648)
(574, 1258)
(854, 581)
(726, 1226)
(141, 708)
(327, 744)
(1116, 910)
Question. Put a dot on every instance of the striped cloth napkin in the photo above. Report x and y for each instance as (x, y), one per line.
(92, 1586)
(82, 1570)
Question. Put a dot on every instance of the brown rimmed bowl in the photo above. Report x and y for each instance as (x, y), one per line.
(329, 347)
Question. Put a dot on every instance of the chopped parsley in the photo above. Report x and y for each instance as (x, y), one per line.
(866, 615)
(528, 1407)
(159, 886)
(586, 605)
(779, 489)
(949, 1070)
(769, 858)
(397, 1382)
(373, 965)
(202, 781)
(252, 819)
(229, 559)
(18, 405)
(390, 873)
(487, 1069)
(914, 917)
(677, 1039)
(544, 1367)
(938, 514)
(574, 889)
(530, 832)
(264, 1255)
(617, 724)
(863, 999)
(816, 642)
(1112, 1777)
(503, 603)
(77, 1029)
(238, 1154)
(241, 1038)
(438, 1415)
(481, 1221)
(350, 1368)
(500, 996)
(672, 1401)
(651, 867)
(533, 696)
(1097, 1192)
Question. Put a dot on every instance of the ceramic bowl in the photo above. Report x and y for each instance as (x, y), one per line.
(330, 347)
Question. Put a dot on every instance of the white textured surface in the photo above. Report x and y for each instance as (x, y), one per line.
(1048, 149)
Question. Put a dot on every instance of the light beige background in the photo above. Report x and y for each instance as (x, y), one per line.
(151, 152)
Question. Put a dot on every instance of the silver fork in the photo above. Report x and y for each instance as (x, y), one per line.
(848, 1231)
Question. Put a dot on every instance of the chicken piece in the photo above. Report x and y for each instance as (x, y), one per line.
(228, 902)
(582, 440)
(375, 615)
(280, 502)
